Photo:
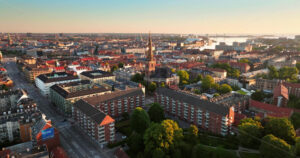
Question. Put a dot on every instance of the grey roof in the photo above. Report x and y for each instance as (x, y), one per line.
(59, 88)
(91, 74)
(90, 111)
(114, 96)
(61, 76)
(194, 100)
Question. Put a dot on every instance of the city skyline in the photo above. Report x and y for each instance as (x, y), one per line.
(182, 17)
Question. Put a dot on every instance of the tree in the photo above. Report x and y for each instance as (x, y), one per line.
(281, 128)
(158, 153)
(249, 132)
(193, 130)
(114, 68)
(163, 136)
(183, 76)
(162, 84)
(216, 95)
(235, 87)
(298, 66)
(152, 87)
(139, 120)
(273, 147)
(156, 113)
(258, 95)
(121, 65)
(207, 82)
(136, 142)
(288, 73)
(192, 134)
(125, 115)
(245, 61)
(137, 78)
(295, 119)
(273, 73)
(225, 88)
(297, 146)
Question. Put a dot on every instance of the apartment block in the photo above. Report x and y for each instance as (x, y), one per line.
(216, 118)
(98, 125)
(118, 102)
(45, 81)
(65, 95)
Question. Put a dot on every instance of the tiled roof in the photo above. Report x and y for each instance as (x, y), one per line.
(270, 110)
(92, 112)
(194, 100)
(281, 90)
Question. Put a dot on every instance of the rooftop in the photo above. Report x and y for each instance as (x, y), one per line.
(55, 77)
(98, 116)
(114, 96)
(96, 74)
(90, 88)
(195, 100)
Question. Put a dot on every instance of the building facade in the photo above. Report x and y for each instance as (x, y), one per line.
(118, 102)
(45, 81)
(65, 95)
(213, 117)
(99, 126)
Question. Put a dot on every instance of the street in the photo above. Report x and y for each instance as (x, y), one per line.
(76, 144)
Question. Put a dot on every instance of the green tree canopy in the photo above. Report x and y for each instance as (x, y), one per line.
(121, 65)
(297, 146)
(183, 76)
(114, 68)
(163, 136)
(207, 82)
(163, 84)
(281, 128)
(136, 142)
(225, 88)
(139, 120)
(156, 113)
(152, 87)
(231, 72)
(137, 78)
(249, 132)
(273, 147)
(258, 95)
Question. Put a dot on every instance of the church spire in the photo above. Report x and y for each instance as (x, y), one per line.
(150, 53)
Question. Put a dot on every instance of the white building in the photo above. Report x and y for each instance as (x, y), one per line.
(45, 81)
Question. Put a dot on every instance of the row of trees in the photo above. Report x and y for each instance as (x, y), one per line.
(208, 82)
(272, 136)
(231, 72)
(139, 78)
(285, 73)
(157, 137)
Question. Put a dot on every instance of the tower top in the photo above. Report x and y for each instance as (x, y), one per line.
(150, 53)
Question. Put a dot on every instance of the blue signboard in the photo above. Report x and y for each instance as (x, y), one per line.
(47, 133)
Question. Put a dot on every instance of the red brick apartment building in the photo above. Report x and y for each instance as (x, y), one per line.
(99, 126)
(216, 118)
(116, 103)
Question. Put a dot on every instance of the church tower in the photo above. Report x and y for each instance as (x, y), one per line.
(150, 61)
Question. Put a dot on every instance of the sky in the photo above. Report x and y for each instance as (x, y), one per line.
(157, 16)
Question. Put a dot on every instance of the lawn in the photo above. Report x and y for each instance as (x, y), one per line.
(216, 141)
(241, 92)
(249, 155)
